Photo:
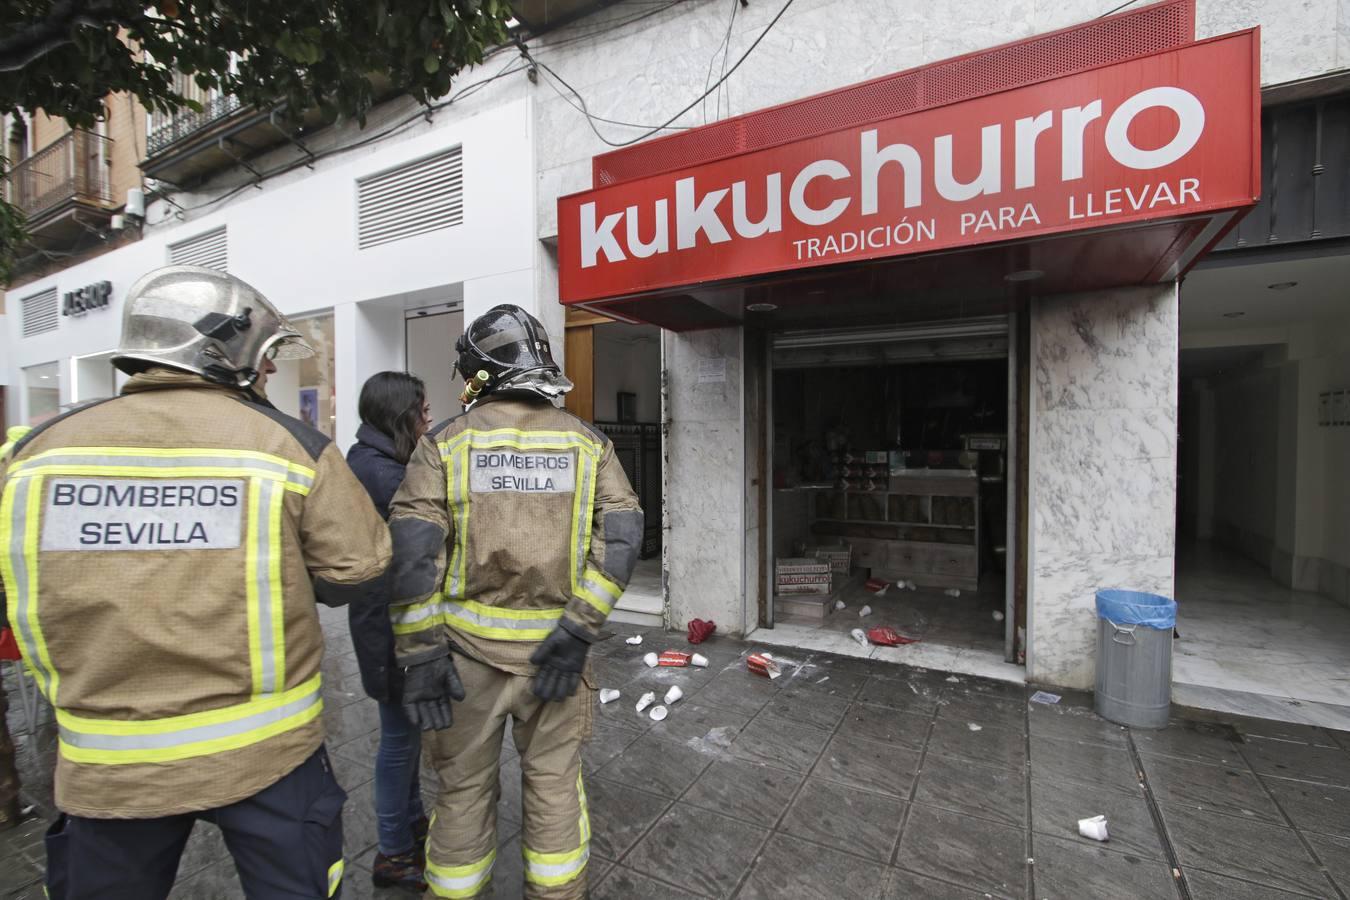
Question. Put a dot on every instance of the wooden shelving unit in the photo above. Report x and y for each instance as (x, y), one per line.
(924, 528)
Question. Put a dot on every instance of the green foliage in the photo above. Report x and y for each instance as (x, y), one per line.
(13, 235)
(65, 56)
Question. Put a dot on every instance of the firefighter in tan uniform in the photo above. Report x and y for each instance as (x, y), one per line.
(162, 553)
(515, 531)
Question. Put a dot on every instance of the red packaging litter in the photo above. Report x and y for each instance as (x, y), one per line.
(876, 584)
(763, 664)
(673, 658)
(699, 630)
(888, 637)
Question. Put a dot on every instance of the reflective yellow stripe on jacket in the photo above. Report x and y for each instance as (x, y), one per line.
(452, 607)
(271, 710)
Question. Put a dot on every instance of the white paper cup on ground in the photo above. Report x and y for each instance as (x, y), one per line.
(634, 641)
(651, 660)
(672, 695)
(659, 713)
(860, 636)
(864, 612)
(839, 604)
(646, 700)
(608, 695)
(698, 659)
(1094, 828)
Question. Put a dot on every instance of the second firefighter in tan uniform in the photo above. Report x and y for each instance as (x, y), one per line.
(515, 531)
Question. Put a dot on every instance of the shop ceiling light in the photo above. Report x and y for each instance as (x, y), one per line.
(1024, 275)
(760, 307)
(1282, 285)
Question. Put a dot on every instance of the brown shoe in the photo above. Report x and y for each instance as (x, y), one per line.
(400, 870)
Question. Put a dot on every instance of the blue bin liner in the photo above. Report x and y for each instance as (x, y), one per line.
(1137, 608)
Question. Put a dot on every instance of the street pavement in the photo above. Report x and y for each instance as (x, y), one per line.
(849, 778)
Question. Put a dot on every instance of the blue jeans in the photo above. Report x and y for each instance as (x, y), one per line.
(398, 791)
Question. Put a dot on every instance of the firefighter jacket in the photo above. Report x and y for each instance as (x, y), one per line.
(510, 517)
(161, 554)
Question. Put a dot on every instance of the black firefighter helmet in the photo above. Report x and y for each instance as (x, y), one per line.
(512, 347)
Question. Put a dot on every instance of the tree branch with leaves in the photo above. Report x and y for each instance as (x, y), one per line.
(65, 57)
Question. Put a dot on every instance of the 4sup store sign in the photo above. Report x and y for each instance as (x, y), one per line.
(1161, 136)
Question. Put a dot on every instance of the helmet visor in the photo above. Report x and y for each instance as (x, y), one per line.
(288, 346)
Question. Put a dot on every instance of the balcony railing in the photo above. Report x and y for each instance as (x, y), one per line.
(180, 125)
(74, 167)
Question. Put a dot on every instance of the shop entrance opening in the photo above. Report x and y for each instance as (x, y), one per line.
(890, 483)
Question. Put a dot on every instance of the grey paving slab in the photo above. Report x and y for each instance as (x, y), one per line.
(904, 885)
(992, 746)
(790, 867)
(358, 820)
(1303, 761)
(1069, 722)
(1070, 870)
(1312, 806)
(754, 793)
(1270, 729)
(1202, 741)
(778, 742)
(1232, 789)
(810, 707)
(619, 816)
(701, 725)
(900, 693)
(983, 709)
(657, 766)
(871, 722)
(859, 822)
(961, 849)
(697, 850)
(1056, 807)
(622, 883)
(511, 804)
(1335, 855)
(1252, 851)
(1210, 886)
(833, 680)
(1054, 760)
(869, 765)
(987, 792)
(605, 744)
(738, 692)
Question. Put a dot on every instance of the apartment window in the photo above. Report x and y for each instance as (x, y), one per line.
(416, 198)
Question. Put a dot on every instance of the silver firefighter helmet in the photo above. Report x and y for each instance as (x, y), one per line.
(203, 321)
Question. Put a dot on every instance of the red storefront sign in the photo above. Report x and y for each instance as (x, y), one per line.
(1162, 137)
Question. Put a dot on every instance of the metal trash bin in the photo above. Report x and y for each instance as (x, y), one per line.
(1134, 657)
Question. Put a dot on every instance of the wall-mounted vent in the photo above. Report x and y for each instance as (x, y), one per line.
(207, 249)
(39, 313)
(413, 199)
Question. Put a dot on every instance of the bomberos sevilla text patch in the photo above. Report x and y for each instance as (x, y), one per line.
(522, 471)
(142, 514)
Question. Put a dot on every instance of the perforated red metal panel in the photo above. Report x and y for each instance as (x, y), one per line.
(1099, 42)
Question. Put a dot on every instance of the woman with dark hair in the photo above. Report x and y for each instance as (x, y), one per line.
(394, 416)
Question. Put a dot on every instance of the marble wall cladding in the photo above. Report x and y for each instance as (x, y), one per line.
(1299, 38)
(705, 479)
(1063, 632)
(1103, 464)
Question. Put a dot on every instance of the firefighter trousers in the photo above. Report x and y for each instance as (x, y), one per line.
(555, 837)
(286, 841)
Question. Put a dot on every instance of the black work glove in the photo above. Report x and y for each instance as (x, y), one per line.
(430, 682)
(560, 659)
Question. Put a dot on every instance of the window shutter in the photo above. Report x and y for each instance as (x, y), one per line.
(39, 313)
(422, 196)
(207, 249)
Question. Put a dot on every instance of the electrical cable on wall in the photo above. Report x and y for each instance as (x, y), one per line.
(667, 125)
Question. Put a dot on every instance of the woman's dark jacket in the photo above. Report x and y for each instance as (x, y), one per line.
(376, 465)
